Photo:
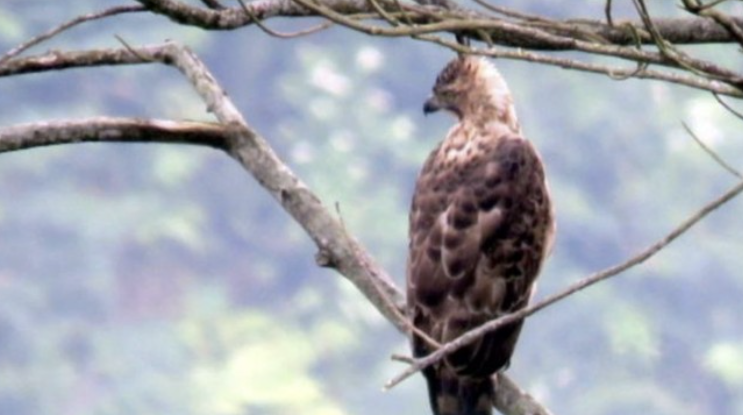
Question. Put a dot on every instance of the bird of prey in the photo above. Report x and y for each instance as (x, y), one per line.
(481, 224)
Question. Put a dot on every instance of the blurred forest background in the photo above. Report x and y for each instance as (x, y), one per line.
(161, 279)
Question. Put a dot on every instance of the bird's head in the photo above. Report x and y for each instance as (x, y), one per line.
(472, 87)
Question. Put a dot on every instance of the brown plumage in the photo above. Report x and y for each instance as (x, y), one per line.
(481, 224)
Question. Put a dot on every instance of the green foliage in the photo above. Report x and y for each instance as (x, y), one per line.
(249, 360)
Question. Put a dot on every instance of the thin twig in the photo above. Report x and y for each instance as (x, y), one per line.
(712, 153)
(401, 9)
(282, 35)
(727, 106)
(712, 4)
(607, 12)
(64, 26)
(402, 358)
(683, 60)
(132, 50)
(641, 66)
(505, 11)
(664, 47)
(380, 10)
(472, 335)
(694, 6)
(578, 30)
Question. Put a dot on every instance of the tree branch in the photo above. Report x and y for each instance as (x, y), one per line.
(109, 129)
(99, 57)
(591, 37)
(53, 61)
(677, 30)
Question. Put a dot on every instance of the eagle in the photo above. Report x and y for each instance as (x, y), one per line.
(481, 225)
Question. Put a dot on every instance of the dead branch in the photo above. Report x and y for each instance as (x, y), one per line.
(525, 31)
(108, 130)
(677, 30)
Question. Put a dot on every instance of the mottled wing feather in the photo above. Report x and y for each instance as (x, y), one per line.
(478, 235)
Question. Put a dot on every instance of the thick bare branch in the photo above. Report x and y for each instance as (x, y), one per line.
(675, 30)
(58, 60)
(108, 129)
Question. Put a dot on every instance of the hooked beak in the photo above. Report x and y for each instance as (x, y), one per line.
(432, 104)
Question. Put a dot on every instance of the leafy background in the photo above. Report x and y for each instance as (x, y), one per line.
(160, 279)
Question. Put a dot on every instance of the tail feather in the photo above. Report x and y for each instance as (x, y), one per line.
(453, 395)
